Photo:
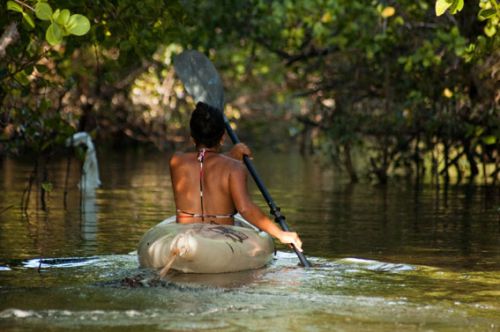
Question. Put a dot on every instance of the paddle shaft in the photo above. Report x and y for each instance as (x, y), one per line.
(275, 210)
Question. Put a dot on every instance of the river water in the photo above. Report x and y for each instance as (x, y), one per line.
(389, 258)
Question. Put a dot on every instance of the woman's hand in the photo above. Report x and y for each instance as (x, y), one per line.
(240, 150)
(290, 238)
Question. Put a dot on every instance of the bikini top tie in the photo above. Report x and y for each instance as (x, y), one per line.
(201, 159)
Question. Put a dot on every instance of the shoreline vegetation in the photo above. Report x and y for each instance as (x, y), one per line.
(379, 91)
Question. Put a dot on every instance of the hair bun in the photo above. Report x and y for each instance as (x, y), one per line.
(207, 125)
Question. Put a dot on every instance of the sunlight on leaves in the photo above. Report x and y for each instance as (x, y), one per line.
(28, 20)
(447, 93)
(11, 5)
(442, 6)
(54, 34)
(388, 12)
(43, 11)
(78, 25)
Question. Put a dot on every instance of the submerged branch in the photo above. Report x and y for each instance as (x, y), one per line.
(6, 209)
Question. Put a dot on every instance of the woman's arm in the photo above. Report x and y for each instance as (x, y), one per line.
(252, 213)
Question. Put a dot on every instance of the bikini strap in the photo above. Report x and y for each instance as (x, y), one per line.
(201, 159)
(197, 215)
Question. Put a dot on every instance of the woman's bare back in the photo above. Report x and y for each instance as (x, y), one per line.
(215, 176)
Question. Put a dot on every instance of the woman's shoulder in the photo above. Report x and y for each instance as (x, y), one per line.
(180, 157)
(231, 164)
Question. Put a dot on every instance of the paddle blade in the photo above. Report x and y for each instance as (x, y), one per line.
(200, 78)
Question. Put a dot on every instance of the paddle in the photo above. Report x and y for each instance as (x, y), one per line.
(203, 83)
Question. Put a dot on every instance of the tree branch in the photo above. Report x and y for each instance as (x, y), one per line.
(25, 5)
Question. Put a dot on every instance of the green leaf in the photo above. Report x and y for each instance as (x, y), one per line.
(22, 78)
(442, 6)
(14, 6)
(54, 34)
(29, 70)
(45, 104)
(125, 45)
(29, 20)
(47, 186)
(490, 30)
(43, 11)
(485, 14)
(408, 65)
(489, 140)
(78, 25)
(63, 17)
(41, 68)
(456, 6)
(56, 13)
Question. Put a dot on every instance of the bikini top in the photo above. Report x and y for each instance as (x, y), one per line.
(202, 215)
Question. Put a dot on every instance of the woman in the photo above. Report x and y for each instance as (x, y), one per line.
(210, 187)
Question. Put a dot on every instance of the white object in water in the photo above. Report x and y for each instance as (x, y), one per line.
(90, 177)
(205, 248)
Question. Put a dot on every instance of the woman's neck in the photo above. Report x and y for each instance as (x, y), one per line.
(212, 149)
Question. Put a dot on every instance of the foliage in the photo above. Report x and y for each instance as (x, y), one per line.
(62, 23)
(489, 12)
(58, 70)
(409, 83)
(47, 71)
(389, 77)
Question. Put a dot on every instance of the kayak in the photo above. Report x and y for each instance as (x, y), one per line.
(205, 248)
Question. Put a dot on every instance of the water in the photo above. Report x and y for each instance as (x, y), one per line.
(385, 258)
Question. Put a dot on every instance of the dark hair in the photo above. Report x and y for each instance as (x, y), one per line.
(207, 125)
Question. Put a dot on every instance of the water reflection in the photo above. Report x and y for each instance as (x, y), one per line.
(89, 216)
(386, 258)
